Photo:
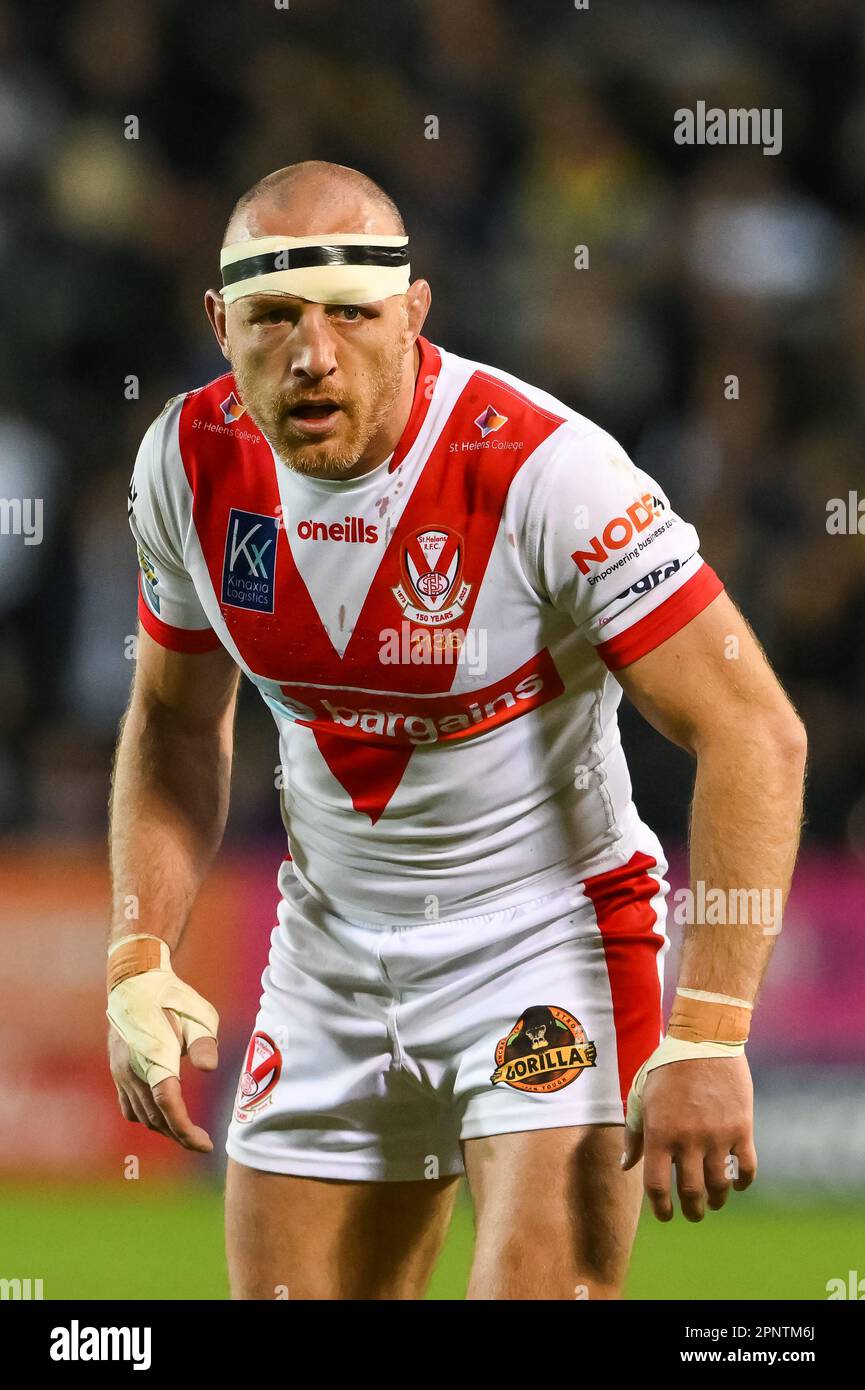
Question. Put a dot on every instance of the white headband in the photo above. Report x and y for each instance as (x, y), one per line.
(336, 268)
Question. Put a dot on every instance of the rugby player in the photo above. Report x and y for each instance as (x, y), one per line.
(441, 579)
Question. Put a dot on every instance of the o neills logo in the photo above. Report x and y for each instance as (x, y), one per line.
(353, 530)
(546, 1049)
(619, 532)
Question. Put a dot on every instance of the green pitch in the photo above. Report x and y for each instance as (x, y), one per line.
(134, 1242)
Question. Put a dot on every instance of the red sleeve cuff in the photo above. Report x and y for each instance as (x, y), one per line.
(176, 639)
(662, 622)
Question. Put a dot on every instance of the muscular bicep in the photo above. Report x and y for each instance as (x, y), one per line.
(706, 679)
(199, 689)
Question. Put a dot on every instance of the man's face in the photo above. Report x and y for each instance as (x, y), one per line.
(319, 380)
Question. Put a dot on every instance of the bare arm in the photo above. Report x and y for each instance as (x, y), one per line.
(732, 715)
(168, 809)
(170, 789)
(710, 689)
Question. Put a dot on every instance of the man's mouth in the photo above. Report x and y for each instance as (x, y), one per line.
(315, 416)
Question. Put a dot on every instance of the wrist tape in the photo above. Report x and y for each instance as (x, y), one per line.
(141, 987)
(702, 1024)
(701, 1016)
(671, 1050)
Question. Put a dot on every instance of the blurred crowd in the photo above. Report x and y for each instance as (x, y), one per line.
(554, 130)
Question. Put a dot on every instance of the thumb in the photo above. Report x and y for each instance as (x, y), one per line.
(203, 1053)
(633, 1148)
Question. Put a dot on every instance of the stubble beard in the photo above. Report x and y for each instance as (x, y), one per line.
(325, 459)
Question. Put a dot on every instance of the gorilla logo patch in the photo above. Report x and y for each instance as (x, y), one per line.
(546, 1049)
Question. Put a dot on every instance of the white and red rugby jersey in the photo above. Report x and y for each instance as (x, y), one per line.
(473, 766)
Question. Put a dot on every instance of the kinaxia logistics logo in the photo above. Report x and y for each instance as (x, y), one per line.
(262, 1068)
(619, 532)
(546, 1049)
(249, 566)
(432, 591)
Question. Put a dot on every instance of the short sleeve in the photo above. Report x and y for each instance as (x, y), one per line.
(169, 608)
(609, 550)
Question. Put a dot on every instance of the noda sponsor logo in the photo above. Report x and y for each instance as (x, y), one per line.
(352, 529)
(249, 567)
(262, 1068)
(619, 532)
(546, 1049)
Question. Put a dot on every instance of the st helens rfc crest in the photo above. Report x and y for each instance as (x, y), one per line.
(432, 590)
(262, 1068)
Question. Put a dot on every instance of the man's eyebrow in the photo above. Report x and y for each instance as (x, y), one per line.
(269, 299)
(272, 297)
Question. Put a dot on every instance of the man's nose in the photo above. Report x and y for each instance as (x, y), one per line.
(314, 354)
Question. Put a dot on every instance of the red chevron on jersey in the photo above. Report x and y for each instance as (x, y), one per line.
(446, 712)
(461, 500)
(437, 562)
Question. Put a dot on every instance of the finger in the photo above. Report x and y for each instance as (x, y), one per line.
(657, 1177)
(126, 1109)
(745, 1156)
(717, 1175)
(153, 1117)
(633, 1149)
(172, 1019)
(204, 1054)
(169, 1098)
(690, 1183)
(138, 1109)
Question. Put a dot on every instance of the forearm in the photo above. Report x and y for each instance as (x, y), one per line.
(169, 805)
(745, 826)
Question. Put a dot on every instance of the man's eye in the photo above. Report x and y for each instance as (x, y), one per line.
(272, 316)
(351, 312)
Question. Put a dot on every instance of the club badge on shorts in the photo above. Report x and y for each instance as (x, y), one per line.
(432, 590)
(546, 1049)
(262, 1068)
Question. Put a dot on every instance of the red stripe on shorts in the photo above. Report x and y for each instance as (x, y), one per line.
(622, 899)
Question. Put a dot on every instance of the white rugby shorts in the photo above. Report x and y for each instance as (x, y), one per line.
(377, 1050)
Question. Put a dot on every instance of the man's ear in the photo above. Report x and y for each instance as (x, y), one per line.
(418, 299)
(214, 307)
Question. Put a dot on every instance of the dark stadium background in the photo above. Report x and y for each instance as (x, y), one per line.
(555, 129)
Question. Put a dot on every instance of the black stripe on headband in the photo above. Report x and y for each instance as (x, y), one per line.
(301, 257)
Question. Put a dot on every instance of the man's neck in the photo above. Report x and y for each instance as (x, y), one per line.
(383, 448)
